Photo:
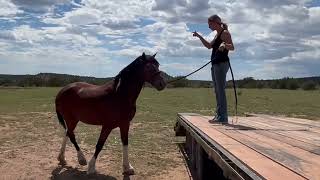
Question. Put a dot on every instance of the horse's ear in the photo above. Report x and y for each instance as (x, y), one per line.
(154, 55)
(143, 56)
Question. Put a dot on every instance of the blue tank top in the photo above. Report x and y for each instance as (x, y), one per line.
(216, 55)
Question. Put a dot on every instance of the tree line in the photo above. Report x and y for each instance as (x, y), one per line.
(59, 80)
(308, 83)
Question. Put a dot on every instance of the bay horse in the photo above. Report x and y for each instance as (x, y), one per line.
(110, 105)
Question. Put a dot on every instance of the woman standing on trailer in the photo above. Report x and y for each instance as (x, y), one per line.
(220, 46)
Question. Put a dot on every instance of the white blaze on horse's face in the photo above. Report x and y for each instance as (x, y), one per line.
(153, 75)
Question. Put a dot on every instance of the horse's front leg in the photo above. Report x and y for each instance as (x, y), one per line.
(124, 130)
(102, 139)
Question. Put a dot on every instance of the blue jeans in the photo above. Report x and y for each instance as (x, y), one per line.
(219, 73)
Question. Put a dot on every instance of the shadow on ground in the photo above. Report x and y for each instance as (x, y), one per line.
(72, 173)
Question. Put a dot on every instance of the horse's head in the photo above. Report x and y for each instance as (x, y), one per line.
(151, 72)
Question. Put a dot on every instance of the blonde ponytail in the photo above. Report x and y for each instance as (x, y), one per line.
(224, 26)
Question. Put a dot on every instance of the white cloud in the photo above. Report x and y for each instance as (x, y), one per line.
(7, 8)
(278, 38)
(80, 16)
(181, 10)
(39, 5)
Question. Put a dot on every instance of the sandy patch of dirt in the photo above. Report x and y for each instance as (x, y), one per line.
(29, 151)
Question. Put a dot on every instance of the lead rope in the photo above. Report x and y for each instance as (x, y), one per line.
(171, 81)
(235, 95)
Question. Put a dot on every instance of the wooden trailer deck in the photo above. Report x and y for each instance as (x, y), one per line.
(255, 147)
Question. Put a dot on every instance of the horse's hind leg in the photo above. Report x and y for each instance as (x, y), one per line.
(71, 125)
(61, 157)
(81, 158)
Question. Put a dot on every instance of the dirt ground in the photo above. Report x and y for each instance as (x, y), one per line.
(30, 152)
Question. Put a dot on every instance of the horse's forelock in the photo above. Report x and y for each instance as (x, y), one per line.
(151, 59)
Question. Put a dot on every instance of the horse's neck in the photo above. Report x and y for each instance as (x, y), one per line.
(129, 90)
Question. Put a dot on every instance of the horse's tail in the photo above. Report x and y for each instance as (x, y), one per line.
(61, 120)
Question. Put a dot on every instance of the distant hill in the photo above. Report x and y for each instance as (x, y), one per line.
(47, 79)
(58, 80)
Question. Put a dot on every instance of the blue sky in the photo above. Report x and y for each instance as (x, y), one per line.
(273, 39)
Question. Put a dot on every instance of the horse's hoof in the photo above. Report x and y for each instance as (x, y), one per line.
(92, 166)
(82, 162)
(62, 161)
(89, 172)
(128, 172)
(81, 159)
(91, 169)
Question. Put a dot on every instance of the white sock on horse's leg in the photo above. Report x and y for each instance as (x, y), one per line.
(125, 156)
(61, 157)
(92, 166)
(127, 168)
(81, 158)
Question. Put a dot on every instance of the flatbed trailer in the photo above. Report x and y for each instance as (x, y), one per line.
(255, 147)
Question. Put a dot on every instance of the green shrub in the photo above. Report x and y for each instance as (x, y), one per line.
(310, 85)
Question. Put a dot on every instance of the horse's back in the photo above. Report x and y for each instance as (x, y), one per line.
(86, 102)
(83, 91)
(70, 89)
(94, 91)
